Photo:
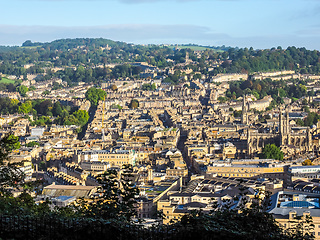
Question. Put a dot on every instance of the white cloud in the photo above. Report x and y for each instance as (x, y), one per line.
(16, 35)
(129, 33)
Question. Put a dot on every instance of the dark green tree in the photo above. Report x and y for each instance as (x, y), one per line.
(94, 95)
(271, 151)
(32, 144)
(81, 116)
(10, 174)
(57, 109)
(25, 107)
(116, 196)
(22, 90)
(311, 119)
(134, 103)
(114, 87)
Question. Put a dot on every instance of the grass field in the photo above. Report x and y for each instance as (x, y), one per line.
(6, 80)
(31, 47)
(195, 48)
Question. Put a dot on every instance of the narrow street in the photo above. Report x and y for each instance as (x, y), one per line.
(92, 112)
(180, 146)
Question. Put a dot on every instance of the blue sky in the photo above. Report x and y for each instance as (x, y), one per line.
(242, 23)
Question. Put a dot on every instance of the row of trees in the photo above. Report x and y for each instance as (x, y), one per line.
(42, 110)
(93, 52)
(260, 88)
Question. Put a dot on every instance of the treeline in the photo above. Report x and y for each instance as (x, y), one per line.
(249, 60)
(95, 54)
(45, 112)
(293, 89)
(310, 120)
(76, 52)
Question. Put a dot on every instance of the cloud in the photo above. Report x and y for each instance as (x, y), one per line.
(149, 33)
(129, 33)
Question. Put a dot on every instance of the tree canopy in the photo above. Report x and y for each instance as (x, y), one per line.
(134, 103)
(94, 95)
(271, 151)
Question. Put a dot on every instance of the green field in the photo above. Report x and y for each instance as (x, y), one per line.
(6, 80)
(31, 47)
(195, 48)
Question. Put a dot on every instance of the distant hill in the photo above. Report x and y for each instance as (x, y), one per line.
(90, 59)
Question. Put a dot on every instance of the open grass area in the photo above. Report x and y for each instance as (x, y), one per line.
(195, 48)
(31, 47)
(6, 80)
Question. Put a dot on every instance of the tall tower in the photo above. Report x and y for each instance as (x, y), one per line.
(187, 58)
(244, 117)
(284, 126)
(287, 125)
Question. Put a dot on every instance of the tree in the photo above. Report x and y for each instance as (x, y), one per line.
(82, 117)
(32, 144)
(22, 90)
(271, 151)
(44, 107)
(307, 162)
(94, 95)
(222, 99)
(25, 107)
(14, 140)
(256, 94)
(57, 109)
(116, 196)
(32, 88)
(299, 122)
(114, 87)
(46, 92)
(14, 102)
(237, 113)
(134, 103)
(10, 174)
(311, 119)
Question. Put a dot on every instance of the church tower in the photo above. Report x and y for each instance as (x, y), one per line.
(284, 127)
(244, 117)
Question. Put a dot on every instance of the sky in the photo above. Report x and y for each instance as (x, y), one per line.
(238, 23)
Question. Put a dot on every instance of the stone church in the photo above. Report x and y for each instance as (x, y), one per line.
(291, 139)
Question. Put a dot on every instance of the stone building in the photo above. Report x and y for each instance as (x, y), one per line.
(286, 136)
